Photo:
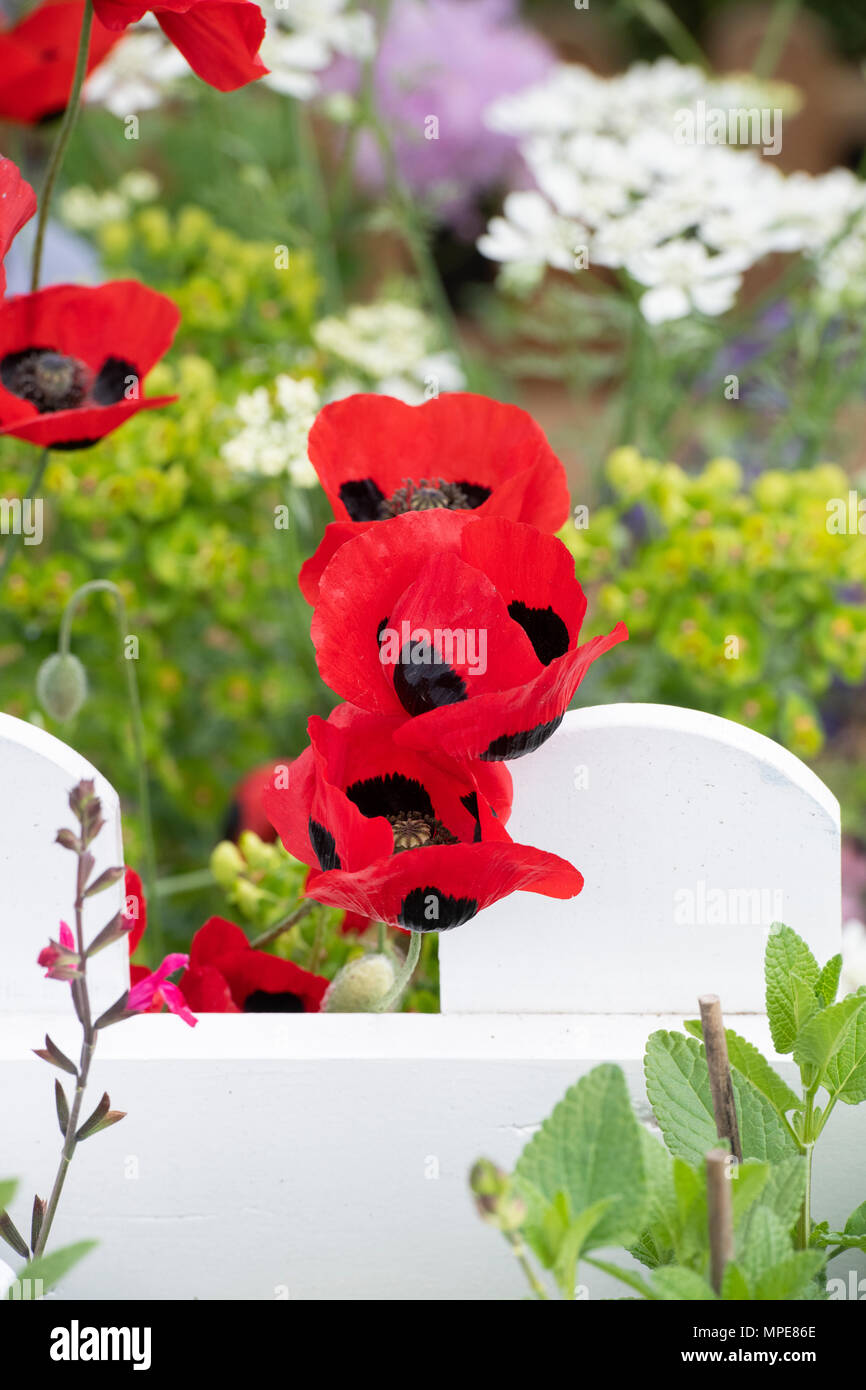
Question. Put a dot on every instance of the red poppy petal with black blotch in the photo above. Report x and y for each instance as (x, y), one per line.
(443, 886)
(63, 428)
(135, 907)
(535, 576)
(365, 447)
(336, 534)
(359, 590)
(255, 972)
(206, 991)
(509, 723)
(359, 749)
(17, 206)
(38, 57)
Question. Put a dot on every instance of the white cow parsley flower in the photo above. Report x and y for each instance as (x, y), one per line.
(304, 36)
(392, 347)
(273, 440)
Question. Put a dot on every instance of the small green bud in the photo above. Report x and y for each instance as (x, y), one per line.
(257, 854)
(360, 986)
(61, 686)
(226, 864)
(495, 1202)
(247, 896)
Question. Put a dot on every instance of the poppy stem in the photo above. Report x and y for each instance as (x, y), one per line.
(70, 116)
(136, 726)
(274, 933)
(13, 540)
(405, 974)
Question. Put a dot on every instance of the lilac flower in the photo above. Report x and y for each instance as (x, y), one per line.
(439, 65)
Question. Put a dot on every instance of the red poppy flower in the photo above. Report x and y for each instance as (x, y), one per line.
(469, 625)
(220, 39)
(17, 206)
(398, 836)
(377, 457)
(37, 59)
(72, 360)
(226, 975)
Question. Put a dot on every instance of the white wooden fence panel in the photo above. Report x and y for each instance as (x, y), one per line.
(37, 877)
(693, 835)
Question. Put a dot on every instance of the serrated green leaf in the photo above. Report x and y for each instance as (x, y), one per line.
(828, 980)
(589, 1148)
(735, 1287)
(845, 1077)
(49, 1269)
(790, 1278)
(753, 1065)
(656, 1243)
(762, 1242)
(822, 1037)
(673, 1283)
(678, 1086)
(791, 975)
(856, 1223)
(785, 1189)
(748, 1180)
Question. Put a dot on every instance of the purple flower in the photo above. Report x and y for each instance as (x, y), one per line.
(439, 66)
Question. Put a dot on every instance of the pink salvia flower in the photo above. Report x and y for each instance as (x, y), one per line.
(155, 989)
(59, 959)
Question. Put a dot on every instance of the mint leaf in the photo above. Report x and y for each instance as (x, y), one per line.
(735, 1287)
(828, 981)
(822, 1037)
(763, 1242)
(672, 1282)
(785, 1189)
(845, 1077)
(790, 1278)
(791, 974)
(589, 1148)
(753, 1065)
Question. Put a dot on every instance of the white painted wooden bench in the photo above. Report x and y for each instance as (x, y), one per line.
(326, 1156)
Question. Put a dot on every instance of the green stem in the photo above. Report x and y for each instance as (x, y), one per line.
(404, 975)
(519, 1251)
(804, 1221)
(137, 729)
(662, 19)
(273, 933)
(381, 937)
(168, 886)
(14, 539)
(70, 116)
(775, 37)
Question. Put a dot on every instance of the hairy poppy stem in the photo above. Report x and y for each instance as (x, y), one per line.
(70, 116)
(13, 540)
(136, 726)
(404, 976)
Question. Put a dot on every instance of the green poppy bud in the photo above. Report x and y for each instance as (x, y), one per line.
(360, 986)
(226, 864)
(61, 686)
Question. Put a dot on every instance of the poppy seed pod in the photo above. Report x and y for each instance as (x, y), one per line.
(360, 986)
(61, 686)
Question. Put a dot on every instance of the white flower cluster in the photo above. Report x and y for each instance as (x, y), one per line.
(304, 36)
(620, 186)
(391, 348)
(139, 72)
(84, 210)
(275, 425)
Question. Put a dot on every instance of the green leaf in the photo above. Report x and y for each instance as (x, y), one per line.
(791, 974)
(845, 1077)
(678, 1086)
(762, 1242)
(572, 1244)
(852, 1238)
(856, 1223)
(748, 1181)
(790, 1278)
(753, 1065)
(822, 1037)
(785, 1189)
(589, 1148)
(62, 1108)
(735, 1286)
(51, 1268)
(673, 1283)
(7, 1192)
(625, 1276)
(828, 980)
(656, 1243)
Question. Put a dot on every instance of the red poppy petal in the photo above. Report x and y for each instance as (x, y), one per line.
(206, 991)
(17, 206)
(247, 972)
(122, 319)
(37, 59)
(358, 592)
(220, 40)
(445, 885)
(336, 534)
(509, 723)
(76, 427)
(218, 937)
(459, 437)
(526, 567)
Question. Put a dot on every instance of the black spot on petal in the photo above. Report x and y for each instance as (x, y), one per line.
(423, 681)
(544, 628)
(429, 909)
(470, 801)
(324, 845)
(362, 499)
(474, 493)
(115, 376)
(262, 1001)
(515, 745)
(391, 795)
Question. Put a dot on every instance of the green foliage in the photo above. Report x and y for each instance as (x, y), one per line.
(46, 1271)
(738, 599)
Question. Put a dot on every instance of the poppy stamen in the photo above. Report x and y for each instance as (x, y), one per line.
(47, 379)
(425, 496)
(415, 831)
